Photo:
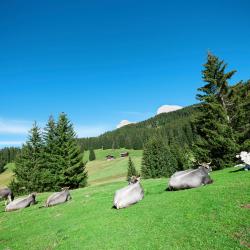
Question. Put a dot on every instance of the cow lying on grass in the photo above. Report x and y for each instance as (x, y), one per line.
(191, 178)
(129, 195)
(6, 194)
(21, 203)
(58, 198)
(245, 157)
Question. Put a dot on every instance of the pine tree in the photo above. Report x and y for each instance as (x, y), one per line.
(51, 174)
(240, 113)
(216, 140)
(92, 155)
(29, 164)
(71, 169)
(157, 160)
(131, 169)
(182, 155)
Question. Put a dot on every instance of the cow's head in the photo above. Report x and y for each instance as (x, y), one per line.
(134, 179)
(33, 195)
(205, 166)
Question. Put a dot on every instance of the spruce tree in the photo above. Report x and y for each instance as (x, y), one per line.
(178, 155)
(92, 155)
(51, 155)
(131, 169)
(70, 166)
(157, 159)
(29, 164)
(216, 140)
(240, 114)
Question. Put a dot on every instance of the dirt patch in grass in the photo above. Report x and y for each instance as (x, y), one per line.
(242, 237)
(245, 206)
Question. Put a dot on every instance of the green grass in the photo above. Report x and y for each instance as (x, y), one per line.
(100, 171)
(209, 217)
(7, 175)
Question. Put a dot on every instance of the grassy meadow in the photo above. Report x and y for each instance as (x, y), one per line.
(7, 175)
(100, 171)
(209, 217)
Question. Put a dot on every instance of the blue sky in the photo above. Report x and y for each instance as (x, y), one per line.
(105, 61)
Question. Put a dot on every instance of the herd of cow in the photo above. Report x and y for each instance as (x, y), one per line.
(124, 197)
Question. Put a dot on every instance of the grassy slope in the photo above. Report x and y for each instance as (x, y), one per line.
(7, 175)
(209, 217)
(100, 171)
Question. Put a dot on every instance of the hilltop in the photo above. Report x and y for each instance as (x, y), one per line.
(173, 126)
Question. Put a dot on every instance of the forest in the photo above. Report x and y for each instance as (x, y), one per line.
(7, 155)
(174, 127)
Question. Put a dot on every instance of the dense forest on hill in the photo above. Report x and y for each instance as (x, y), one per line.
(173, 127)
(7, 154)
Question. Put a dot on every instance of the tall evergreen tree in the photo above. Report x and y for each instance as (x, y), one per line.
(157, 159)
(92, 155)
(51, 154)
(240, 113)
(29, 164)
(131, 169)
(71, 169)
(216, 140)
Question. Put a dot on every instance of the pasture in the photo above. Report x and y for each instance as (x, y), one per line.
(209, 217)
(100, 171)
(7, 175)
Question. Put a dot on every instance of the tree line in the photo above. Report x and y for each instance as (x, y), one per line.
(174, 127)
(50, 160)
(7, 155)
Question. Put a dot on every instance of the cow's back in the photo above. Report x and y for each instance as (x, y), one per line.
(186, 179)
(128, 195)
(19, 203)
(57, 198)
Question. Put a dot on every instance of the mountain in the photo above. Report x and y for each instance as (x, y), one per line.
(175, 127)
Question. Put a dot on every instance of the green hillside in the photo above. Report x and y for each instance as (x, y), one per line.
(174, 127)
(100, 171)
(7, 175)
(209, 217)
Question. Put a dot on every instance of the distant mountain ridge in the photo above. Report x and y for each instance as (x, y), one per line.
(174, 126)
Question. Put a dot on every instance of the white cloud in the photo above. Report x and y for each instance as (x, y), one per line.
(89, 131)
(123, 123)
(14, 126)
(168, 108)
